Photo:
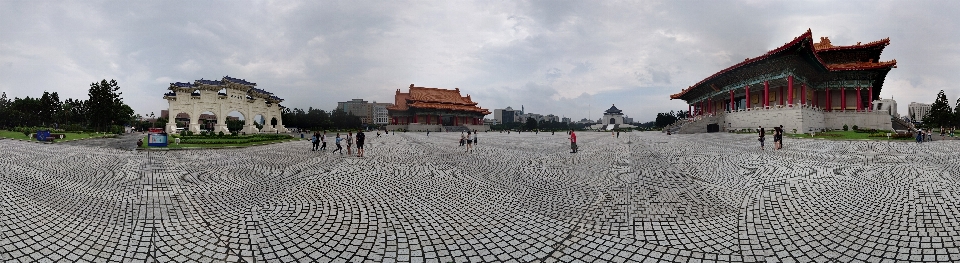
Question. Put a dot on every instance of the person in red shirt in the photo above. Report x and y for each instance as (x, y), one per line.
(573, 142)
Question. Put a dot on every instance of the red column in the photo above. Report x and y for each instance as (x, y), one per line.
(747, 88)
(803, 93)
(731, 101)
(790, 89)
(766, 94)
(829, 104)
(843, 99)
(870, 104)
(689, 110)
(859, 100)
(781, 95)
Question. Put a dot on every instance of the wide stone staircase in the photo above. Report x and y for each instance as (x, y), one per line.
(901, 125)
(456, 129)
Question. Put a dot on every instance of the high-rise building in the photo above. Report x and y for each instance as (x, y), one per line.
(369, 113)
(918, 110)
(507, 115)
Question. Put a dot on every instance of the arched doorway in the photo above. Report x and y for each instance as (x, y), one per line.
(207, 121)
(236, 122)
(258, 121)
(181, 120)
(613, 121)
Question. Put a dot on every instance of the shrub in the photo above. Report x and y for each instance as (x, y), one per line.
(221, 134)
(845, 128)
(855, 127)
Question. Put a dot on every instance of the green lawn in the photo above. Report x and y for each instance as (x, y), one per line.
(171, 145)
(844, 135)
(69, 135)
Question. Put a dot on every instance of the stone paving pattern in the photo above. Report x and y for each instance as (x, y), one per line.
(643, 197)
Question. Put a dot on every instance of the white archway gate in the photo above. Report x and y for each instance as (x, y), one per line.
(240, 95)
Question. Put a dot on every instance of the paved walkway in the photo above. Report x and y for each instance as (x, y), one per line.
(518, 197)
(126, 141)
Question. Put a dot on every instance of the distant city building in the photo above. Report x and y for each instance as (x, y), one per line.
(565, 120)
(551, 118)
(380, 114)
(369, 113)
(627, 120)
(507, 115)
(888, 105)
(918, 110)
(536, 117)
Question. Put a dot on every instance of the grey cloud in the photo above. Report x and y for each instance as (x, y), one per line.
(549, 55)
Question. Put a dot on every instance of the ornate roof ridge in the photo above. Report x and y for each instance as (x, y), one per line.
(825, 45)
(862, 65)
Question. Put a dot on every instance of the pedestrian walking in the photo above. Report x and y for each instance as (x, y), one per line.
(475, 138)
(360, 139)
(919, 135)
(337, 141)
(323, 141)
(780, 139)
(349, 143)
(463, 139)
(618, 133)
(378, 133)
(573, 141)
(469, 143)
(316, 141)
(762, 133)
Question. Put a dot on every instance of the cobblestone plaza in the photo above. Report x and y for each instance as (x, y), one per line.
(516, 198)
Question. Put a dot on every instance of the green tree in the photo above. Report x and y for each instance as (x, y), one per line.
(666, 118)
(104, 99)
(531, 124)
(940, 113)
(234, 125)
(956, 114)
(4, 111)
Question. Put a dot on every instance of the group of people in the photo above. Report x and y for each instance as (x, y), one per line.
(777, 137)
(468, 140)
(320, 142)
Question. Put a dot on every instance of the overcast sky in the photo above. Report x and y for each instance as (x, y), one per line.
(570, 58)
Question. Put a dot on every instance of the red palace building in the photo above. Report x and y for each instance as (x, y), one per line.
(432, 109)
(802, 85)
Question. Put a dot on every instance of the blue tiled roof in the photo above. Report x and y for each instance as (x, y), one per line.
(172, 94)
(261, 91)
(239, 81)
(181, 84)
(208, 82)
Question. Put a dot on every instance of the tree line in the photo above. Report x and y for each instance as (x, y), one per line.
(667, 118)
(104, 110)
(317, 119)
(941, 115)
